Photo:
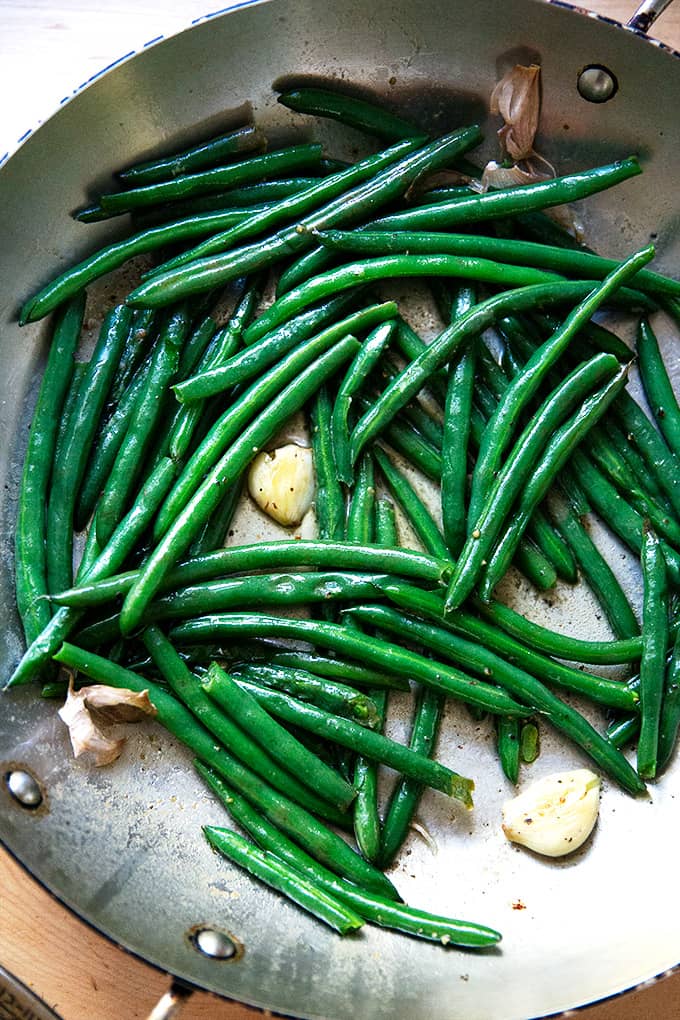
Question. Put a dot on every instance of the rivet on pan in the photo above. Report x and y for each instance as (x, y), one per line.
(24, 788)
(597, 84)
(215, 943)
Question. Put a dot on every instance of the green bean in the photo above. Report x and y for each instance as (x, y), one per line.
(294, 820)
(136, 346)
(414, 448)
(507, 744)
(378, 910)
(392, 267)
(216, 529)
(356, 113)
(480, 317)
(541, 256)
(563, 646)
(31, 527)
(332, 696)
(329, 501)
(456, 436)
(275, 873)
(642, 434)
(499, 430)
(617, 513)
(623, 731)
(501, 645)
(514, 476)
(106, 259)
(359, 524)
(529, 746)
(205, 154)
(67, 476)
(130, 456)
(551, 543)
(268, 555)
(205, 181)
(307, 265)
(349, 671)
(558, 450)
(416, 512)
(509, 201)
(660, 395)
(525, 688)
(250, 196)
(371, 651)
(357, 738)
(225, 472)
(358, 371)
(91, 551)
(252, 361)
(359, 201)
(670, 708)
(303, 202)
(407, 793)
(645, 477)
(230, 425)
(654, 650)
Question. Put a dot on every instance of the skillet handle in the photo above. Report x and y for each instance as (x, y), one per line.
(170, 1005)
(647, 13)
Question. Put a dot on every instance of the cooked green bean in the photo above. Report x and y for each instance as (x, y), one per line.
(507, 745)
(216, 529)
(456, 435)
(359, 525)
(357, 202)
(67, 476)
(351, 672)
(654, 651)
(407, 793)
(510, 201)
(670, 708)
(294, 820)
(205, 181)
(232, 463)
(623, 731)
(252, 361)
(522, 685)
(541, 256)
(556, 453)
(31, 527)
(329, 500)
(662, 399)
(349, 734)
(641, 433)
(307, 265)
(205, 154)
(372, 651)
(414, 448)
(356, 113)
(416, 511)
(493, 640)
(499, 431)
(378, 910)
(358, 371)
(332, 696)
(275, 873)
(529, 746)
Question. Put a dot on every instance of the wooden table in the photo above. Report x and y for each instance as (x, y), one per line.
(46, 49)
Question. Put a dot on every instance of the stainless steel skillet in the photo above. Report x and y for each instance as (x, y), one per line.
(139, 871)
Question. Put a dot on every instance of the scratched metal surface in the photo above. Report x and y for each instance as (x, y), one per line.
(123, 845)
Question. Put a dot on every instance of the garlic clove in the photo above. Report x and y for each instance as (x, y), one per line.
(517, 98)
(82, 708)
(555, 815)
(282, 483)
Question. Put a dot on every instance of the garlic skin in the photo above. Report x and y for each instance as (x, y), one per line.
(83, 710)
(282, 483)
(555, 815)
(517, 99)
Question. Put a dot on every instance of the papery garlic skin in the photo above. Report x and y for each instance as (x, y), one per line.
(516, 98)
(282, 483)
(84, 707)
(555, 815)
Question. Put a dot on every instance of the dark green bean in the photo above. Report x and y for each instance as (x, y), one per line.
(275, 873)
(349, 671)
(662, 399)
(510, 201)
(456, 435)
(67, 475)
(357, 738)
(31, 528)
(623, 731)
(507, 745)
(525, 688)
(205, 154)
(415, 510)
(307, 265)
(216, 530)
(670, 708)
(641, 433)
(329, 501)
(225, 472)
(359, 201)
(332, 696)
(356, 113)
(654, 651)
(379, 911)
(371, 650)
(294, 820)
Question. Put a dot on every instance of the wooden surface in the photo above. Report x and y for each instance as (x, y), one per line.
(46, 50)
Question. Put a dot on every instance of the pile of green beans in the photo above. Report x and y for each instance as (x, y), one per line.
(488, 446)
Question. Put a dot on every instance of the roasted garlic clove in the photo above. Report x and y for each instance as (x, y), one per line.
(555, 815)
(282, 483)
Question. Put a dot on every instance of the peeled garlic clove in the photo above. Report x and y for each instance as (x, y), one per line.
(555, 815)
(282, 483)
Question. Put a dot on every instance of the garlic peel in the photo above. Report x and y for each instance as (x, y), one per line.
(516, 98)
(84, 708)
(282, 483)
(555, 815)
